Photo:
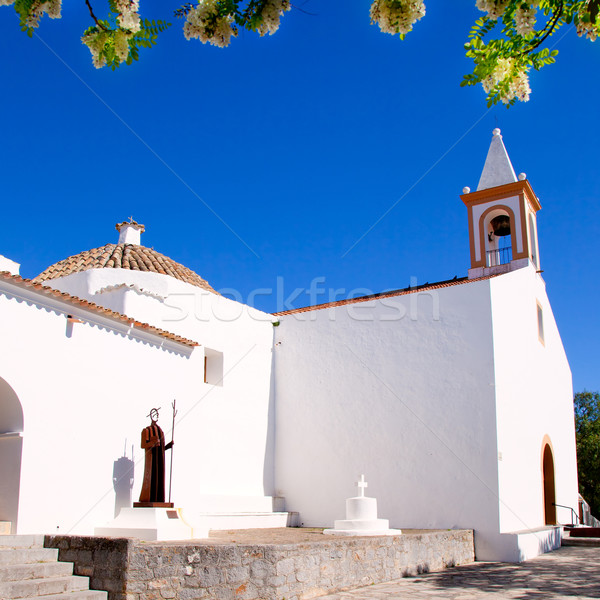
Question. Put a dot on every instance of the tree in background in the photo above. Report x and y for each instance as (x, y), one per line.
(587, 430)
(504, 44)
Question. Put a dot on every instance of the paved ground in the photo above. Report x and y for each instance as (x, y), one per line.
(567, 573)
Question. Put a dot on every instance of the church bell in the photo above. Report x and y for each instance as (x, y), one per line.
(501, 225)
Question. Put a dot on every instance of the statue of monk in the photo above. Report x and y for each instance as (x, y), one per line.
(153, 443)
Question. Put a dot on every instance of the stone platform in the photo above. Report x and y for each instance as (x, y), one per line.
(270, 564)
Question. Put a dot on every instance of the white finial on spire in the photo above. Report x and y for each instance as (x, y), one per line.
(362, 484)
(522, 176)
(498, 169)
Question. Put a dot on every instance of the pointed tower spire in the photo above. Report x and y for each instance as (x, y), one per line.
(498, 169)
(502, 217)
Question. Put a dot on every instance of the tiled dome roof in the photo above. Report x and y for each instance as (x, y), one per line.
(123, 256)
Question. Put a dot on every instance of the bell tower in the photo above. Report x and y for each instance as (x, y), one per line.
(502, 217)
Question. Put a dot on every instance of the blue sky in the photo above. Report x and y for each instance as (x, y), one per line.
(324, 137)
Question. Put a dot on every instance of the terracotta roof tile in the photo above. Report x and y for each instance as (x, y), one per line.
(90, 306)
(402, 292)
(123, 256)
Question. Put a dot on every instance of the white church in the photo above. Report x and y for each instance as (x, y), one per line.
(455, 399)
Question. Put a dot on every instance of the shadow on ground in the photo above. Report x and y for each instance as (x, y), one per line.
(565, 572)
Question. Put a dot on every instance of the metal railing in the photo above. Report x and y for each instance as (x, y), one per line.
(574, 521)
(500, 256)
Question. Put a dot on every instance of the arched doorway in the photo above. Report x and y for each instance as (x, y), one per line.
(11, 445)
(548, 482)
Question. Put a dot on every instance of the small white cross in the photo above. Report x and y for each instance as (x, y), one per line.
(362, 484)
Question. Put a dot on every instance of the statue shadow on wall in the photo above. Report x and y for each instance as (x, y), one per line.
(123, 477)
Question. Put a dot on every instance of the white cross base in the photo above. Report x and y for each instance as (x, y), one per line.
(362, 484)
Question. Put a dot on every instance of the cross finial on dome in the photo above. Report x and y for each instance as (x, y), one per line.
(130, 232)
(498, 169)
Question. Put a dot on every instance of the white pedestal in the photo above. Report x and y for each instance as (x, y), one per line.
(150, 524)
(361, 519)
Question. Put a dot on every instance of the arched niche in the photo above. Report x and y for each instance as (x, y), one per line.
(11, 447)
(11, 411)
(533, 246)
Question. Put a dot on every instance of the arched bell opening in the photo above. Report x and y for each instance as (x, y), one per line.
(498, 236)
(11, 446)
(548, 485)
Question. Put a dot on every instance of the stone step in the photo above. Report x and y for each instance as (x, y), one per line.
(22, 541)
(587, 532)
(43, 586)
(24, 556)
(580, 541)
(35, 570)
(83, 595)
(28, 570)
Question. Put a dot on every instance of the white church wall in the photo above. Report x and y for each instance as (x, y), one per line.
(534, 399)
(85, 389)
(407, 401)
(237, 403)
(238, 341)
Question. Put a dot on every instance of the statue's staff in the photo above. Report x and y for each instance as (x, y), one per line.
(172, 440)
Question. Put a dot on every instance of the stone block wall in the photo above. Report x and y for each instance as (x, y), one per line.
(104, 560)
(134, 570)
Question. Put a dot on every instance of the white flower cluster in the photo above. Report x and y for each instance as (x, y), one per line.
(95, 42)
(397, 16)
(128, 16)
(204, 23)
(517, 80)
(122, 44)
(525, 19)
(271, 14)
(493, 8)
(50, 7)
(502, 70)
(519, 87)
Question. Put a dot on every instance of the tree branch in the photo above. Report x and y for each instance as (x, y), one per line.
(98, 24)
(302, 10)
(547, 31)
